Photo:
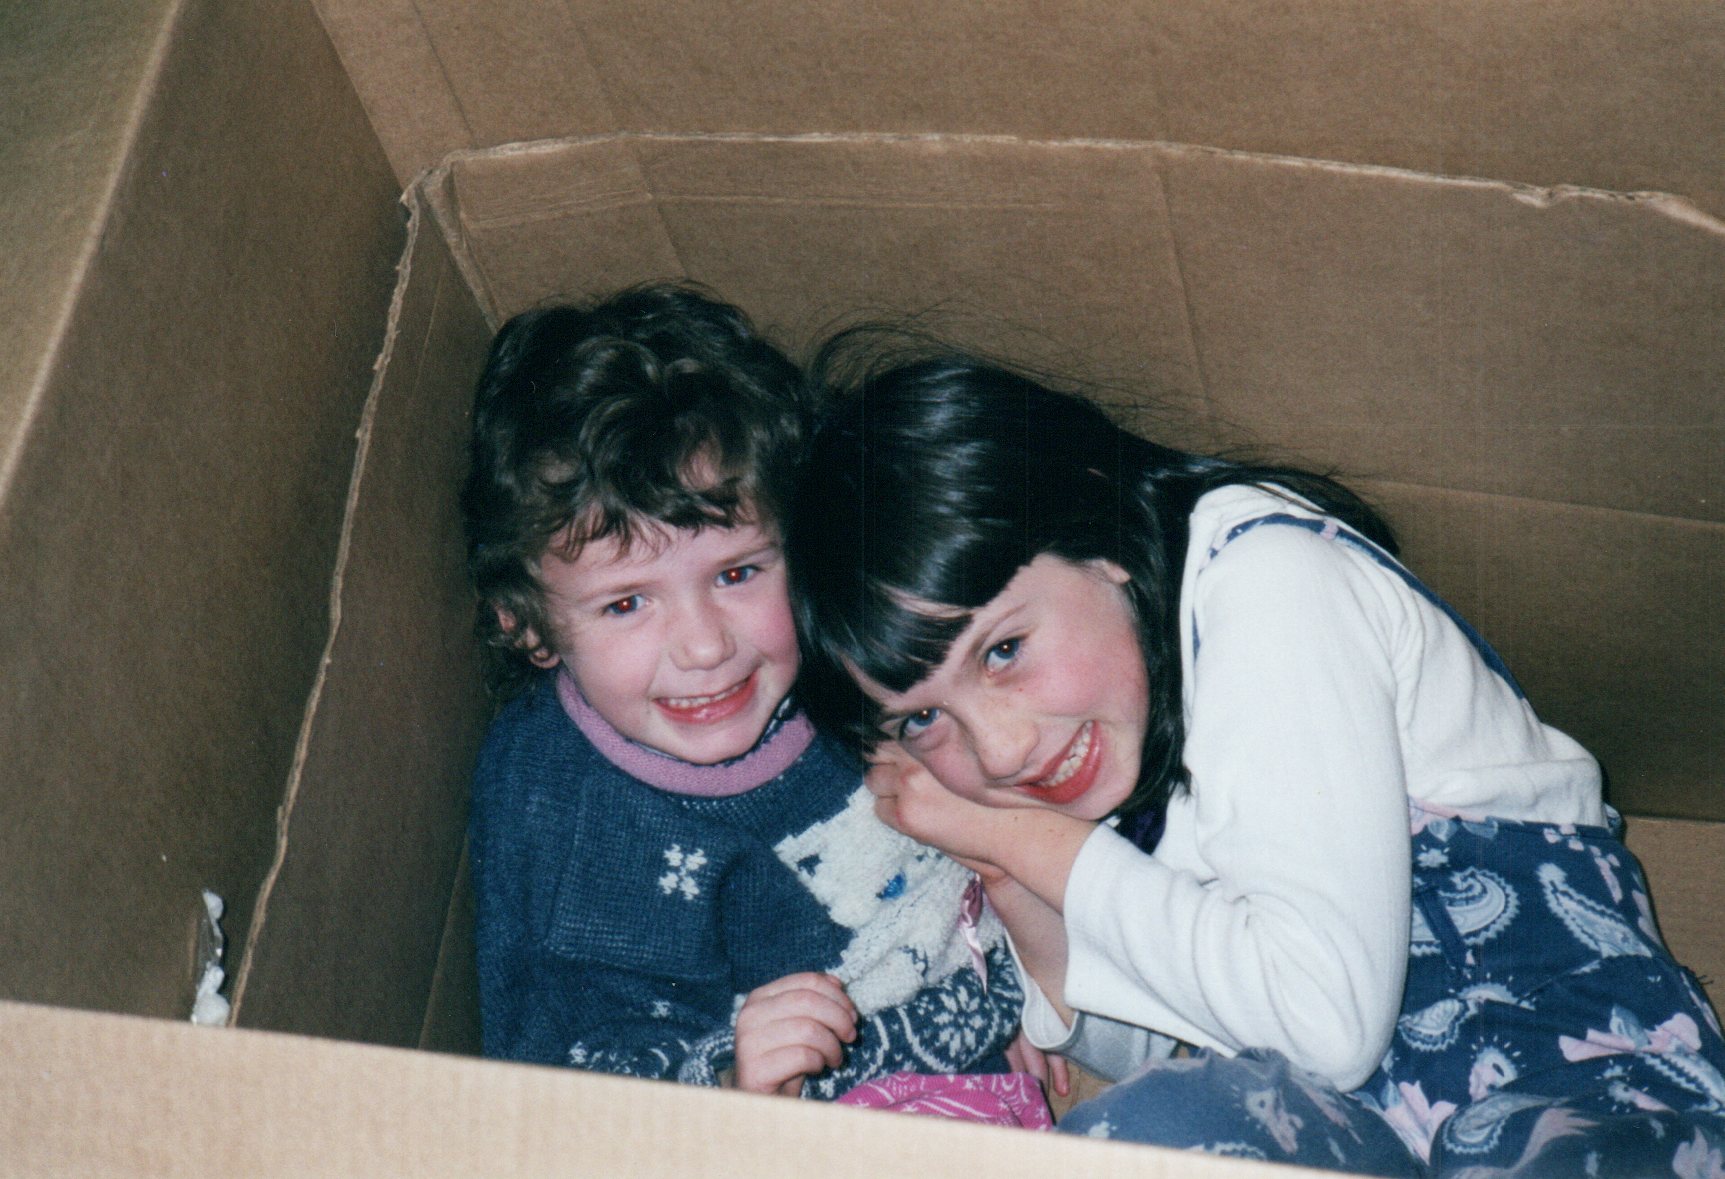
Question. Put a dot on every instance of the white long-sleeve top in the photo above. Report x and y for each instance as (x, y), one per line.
(1321, 694)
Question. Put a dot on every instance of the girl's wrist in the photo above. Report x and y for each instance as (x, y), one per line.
(1041, 849)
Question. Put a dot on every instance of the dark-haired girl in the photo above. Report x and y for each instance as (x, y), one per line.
(1277, 836)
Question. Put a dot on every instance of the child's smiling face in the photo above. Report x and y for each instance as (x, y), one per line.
(683, 641)
(1041, 701)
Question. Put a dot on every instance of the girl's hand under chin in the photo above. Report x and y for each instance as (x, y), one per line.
(911, 800)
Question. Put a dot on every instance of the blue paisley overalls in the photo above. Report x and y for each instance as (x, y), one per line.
(1545, 1029)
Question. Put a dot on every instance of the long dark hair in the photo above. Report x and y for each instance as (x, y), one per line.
(934, 480)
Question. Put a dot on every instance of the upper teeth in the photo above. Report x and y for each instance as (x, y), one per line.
(1074, 758)
(698, 701)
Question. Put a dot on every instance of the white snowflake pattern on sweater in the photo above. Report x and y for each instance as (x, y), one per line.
(685, 866)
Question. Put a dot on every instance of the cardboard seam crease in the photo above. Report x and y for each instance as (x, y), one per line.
(437, 185)
(308, 723)
(1209, 413)
(1540, 196)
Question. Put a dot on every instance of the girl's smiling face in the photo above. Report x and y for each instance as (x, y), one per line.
(1041, 701)
(683, 642)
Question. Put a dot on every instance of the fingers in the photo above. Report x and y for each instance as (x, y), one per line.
(782, 1070)
(883, 779)
(1026, 1057)
(1060, 1075)
(1047, 1067)
(811, 980)
(790, 1028)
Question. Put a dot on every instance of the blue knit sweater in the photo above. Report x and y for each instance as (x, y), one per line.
(620, 925)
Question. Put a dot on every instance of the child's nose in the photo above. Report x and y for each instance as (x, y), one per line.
(702, 637)
(1004, 739)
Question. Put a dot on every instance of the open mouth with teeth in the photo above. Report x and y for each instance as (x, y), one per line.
(1073, 774)
(709, 709)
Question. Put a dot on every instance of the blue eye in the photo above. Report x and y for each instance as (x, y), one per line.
(737, 575)
(917, 723)
(623, 607)
(1002, 653)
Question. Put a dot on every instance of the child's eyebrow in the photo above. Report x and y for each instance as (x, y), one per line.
(752, 555)
(611, 591)
(986, 636)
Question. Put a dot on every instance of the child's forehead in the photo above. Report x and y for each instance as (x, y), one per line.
(640, 541)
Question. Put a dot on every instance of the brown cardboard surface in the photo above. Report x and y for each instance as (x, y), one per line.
(1061, 257)
(402, 84)
(1055, 256)
(1685, 865)
(92, 1094)
(1466, 335)
(71, 74)
(452, 1022)
(535, 223)
(1606, 620)
(430, 71)
(170, 520)
(1581, 93)
(353, 913)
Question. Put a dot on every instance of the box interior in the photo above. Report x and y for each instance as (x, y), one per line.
(1472, 260)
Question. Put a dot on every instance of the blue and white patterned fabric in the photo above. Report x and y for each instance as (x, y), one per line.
(620, 925)
(1546, 1032)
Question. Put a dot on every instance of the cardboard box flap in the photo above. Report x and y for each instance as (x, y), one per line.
(447, 76)
(1583, 93)
(170, 517)
(87, 1094)
(500, 219)
(351, 918)
(1503, 322)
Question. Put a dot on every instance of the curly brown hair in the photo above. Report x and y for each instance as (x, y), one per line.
(659, 404)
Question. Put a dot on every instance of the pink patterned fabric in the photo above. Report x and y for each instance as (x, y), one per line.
(995, 1099)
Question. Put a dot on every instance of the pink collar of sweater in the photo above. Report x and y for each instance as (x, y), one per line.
(760, 765)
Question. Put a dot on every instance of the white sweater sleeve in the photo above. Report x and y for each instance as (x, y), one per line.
(1108, 1048)
(1276, 914)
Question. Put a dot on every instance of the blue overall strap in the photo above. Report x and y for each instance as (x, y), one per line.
(1329, 528)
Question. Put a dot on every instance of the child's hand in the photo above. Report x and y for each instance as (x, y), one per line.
(1046, 1067)
(911, 800)
(791, 1028)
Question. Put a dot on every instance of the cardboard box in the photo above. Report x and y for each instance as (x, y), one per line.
(1474, 258)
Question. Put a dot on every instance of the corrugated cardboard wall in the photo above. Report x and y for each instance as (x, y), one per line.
(171, 517)
(353, 913)
(1588, 92)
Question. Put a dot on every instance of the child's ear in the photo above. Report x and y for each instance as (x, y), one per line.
(526, 640)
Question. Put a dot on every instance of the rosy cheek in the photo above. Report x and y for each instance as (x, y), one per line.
(953, 771)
